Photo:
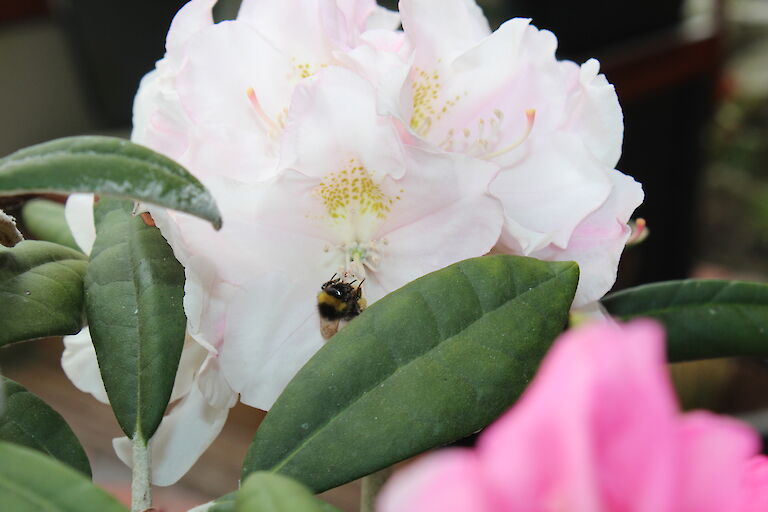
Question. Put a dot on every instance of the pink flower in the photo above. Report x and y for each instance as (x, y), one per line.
(597, 430)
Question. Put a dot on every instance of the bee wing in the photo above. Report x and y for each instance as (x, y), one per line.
(328, 327)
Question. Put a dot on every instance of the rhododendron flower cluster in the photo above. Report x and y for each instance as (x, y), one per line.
(336, 143)
(597, 429)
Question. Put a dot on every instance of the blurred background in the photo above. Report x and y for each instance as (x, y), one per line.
(692, 78)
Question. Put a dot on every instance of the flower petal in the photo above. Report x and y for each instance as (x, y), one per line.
(182, 437)
(755, 482)
(383, 19)
(272, 330)
(79, 215)
(81, 366)
(223, 64)
(598, 241)
(447, 481)
(715, 449)
(192, 356)
(443, 28)
(550, 192)
(214, 386)
(595, 113)
(280, 22)
(444, 216)
(578, 443)
(191, 19)
(333, 118)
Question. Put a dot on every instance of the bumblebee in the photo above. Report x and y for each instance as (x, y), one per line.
(338, 301)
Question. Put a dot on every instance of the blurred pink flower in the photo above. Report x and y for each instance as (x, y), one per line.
(597, 430)
(554, 127)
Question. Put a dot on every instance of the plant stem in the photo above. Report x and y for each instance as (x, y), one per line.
(141, 490)
(372, 484)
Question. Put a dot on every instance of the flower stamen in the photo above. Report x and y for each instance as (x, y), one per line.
(530, 116)
(256, 104)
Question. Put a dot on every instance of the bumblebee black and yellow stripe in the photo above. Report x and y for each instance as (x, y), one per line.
(330, 307)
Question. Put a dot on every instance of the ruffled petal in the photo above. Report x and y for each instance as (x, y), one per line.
(594, 112)
(333, 118)
(444, 215)
(443, 28)
(192, 356)
(195, 16)
(213, 385)
(382, 58)
(182, 437)
(223, 65)
(480, 107)
(304, 29)
(159, 120)
(79, 215)
(550, 191)
(598, 241)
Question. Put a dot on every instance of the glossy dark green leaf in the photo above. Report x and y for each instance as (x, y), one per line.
(33, 482)
(45, 221)
(268, 492)
(107, 166)
(133, 300)
(703, 318)
(430, 363)
(28, 421)
(41, 291)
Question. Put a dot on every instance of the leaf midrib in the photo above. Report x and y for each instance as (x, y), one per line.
(131, 239)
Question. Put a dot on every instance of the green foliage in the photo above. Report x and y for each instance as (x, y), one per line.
(107, 166)
(41, 291)
(430, 363)
(225, 503)
(28, 421)
(45, 221)
(703, 318)
(268, 492)
(133, 298)
(33, 482)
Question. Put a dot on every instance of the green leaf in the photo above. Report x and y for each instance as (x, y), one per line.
(41, 291)
(133, 300)
(224, 503)
(33, 482)
(428, 364)
(45, 220)
(703, 318)
(107, 166)
(28, 421)
(267, 492)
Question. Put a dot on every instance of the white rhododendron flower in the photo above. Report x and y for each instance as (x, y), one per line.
(335, 143)
(555, 129)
